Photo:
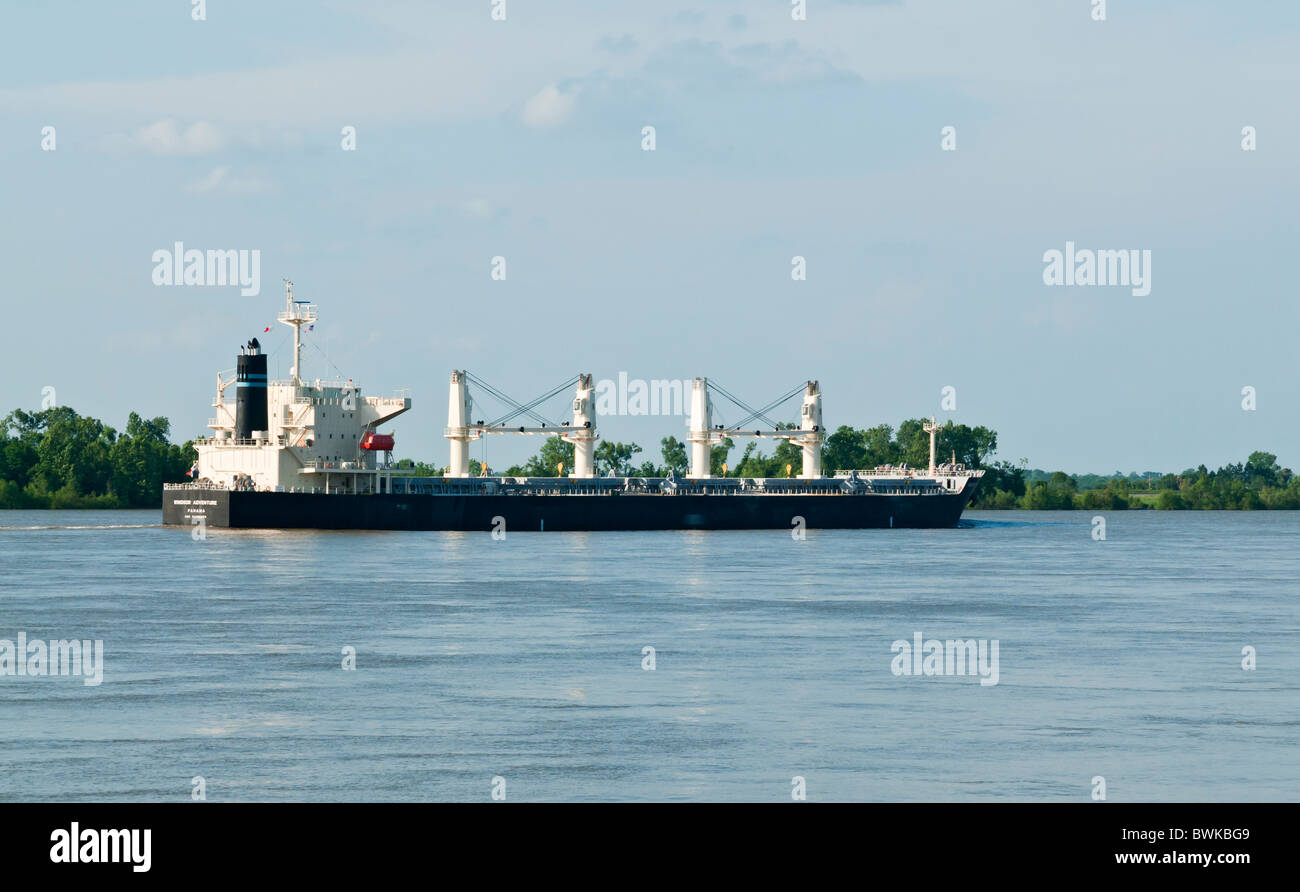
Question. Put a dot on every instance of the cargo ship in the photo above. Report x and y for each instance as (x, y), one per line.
(308, 454)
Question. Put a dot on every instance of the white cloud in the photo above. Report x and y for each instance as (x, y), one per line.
(211, 181)
(166, 137)
(478, 208)
(549, 108)
(219, 180)
(461, 83)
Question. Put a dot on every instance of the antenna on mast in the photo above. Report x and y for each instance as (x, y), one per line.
(931, 427)
(296, 313)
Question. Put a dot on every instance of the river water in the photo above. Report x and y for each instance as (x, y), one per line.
(524, 661)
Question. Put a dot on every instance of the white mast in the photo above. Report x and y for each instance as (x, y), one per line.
(459, 406)
(583, 431)
(701, 435)
(930, 427)
(296, 313)
(814, 435)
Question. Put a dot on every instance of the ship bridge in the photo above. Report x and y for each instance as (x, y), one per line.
(294, 434)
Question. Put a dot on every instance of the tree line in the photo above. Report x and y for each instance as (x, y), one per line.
(1256, 484)
(847, 448)
(56, 458)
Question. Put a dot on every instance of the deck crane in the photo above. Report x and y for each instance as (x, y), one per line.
(462, 430)
(704, 435)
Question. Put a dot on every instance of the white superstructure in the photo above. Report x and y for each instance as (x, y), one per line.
(315, 435)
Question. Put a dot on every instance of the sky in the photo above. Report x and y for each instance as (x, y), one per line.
(775, 138)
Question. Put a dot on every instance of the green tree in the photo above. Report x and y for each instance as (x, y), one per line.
(423, 469)
(1112, 497)
(143, 460)
(74, 451)
(1002, 485)
(674, 453)
(57, 458)
(1057, 493)
(881, 447)
(1262, 469)
(846, 449)
(547, 461)
(970, 445)
(718, 456)
(787, 454)
(913, 443)
(750, 464)
(613, 458)
(18, 459)
(1170, 500)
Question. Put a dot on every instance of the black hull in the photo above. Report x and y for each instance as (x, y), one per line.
(552, 513)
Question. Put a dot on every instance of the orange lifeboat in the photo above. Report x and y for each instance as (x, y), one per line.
(377, 442)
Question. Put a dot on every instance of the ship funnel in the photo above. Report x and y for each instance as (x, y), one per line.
(931, 427)
(701, 422)
(250, 391)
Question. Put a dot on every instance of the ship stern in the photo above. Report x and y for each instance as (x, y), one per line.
(190, 507)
